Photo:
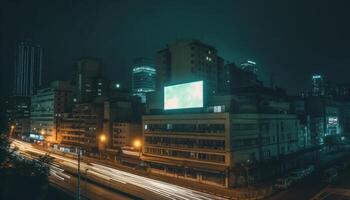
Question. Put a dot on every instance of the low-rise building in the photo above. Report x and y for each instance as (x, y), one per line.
(211, 148)
(17, 115)
(124, 134)
(82, 127)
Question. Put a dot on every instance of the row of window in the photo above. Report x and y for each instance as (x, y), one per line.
(237, 143)
(185, 142)
(201, 128)
(186, 154)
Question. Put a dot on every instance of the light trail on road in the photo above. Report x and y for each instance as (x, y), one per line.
(163, 189)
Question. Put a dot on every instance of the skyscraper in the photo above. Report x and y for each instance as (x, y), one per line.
(232, 79)
(28, 69)
(85, 73)
(250, 66)
(318, 85)
(143, 77)
(186, 61)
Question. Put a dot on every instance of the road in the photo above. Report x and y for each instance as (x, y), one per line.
(142, 187)
(303, 190)
(88, 189)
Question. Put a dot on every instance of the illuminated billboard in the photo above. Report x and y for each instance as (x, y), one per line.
(187, 95)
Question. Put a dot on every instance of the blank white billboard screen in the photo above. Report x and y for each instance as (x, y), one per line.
(187, 95)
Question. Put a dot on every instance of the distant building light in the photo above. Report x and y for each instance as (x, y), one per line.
(316, 76)
(251, 62)
(143, 69)
(99, 83)
(117, 85)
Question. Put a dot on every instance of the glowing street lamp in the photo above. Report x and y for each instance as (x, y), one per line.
(103, 138)
(137, 143)
(12, 127)
(42, 132)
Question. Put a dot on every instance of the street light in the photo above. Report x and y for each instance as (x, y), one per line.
(42, 132)
(103, 138)
(11, 131)
(137, 143)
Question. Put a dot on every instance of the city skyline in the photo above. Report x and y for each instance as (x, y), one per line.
(283, 46)
(181, 100)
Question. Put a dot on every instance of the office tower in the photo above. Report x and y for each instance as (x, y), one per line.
(28, 69)
(143, 77)
(232, 79)
(101, 87)
(85, 73)
(319, 85)
(250, 66)
(186, 61)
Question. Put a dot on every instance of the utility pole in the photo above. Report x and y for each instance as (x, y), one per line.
(78, 187)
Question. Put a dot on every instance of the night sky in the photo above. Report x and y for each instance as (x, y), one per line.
(291, 39)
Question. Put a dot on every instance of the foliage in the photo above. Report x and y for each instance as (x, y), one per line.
(21, 178)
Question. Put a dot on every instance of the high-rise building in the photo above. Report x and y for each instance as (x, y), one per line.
(28, 69)
(85, 73)
(232, 78)
(318, 85)
(186, 61)
(101, 87)
(250, 66)
(143, 77)
(48, 106)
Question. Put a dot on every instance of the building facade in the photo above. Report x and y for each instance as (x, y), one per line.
(85, 73)
(232, 79)
(143, 77)
(212, 147)
(319, 85)
(124, 134)
(28, 69)
(17, 115)
(82, 127)
(186, 61)
(48, 107)
(250, 66)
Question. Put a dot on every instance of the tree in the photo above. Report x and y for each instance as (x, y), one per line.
(21, 178)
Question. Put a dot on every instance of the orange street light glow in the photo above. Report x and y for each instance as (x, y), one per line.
(137, 143)
(103, 138)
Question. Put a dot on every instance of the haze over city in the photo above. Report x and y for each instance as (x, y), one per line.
(180, 100)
